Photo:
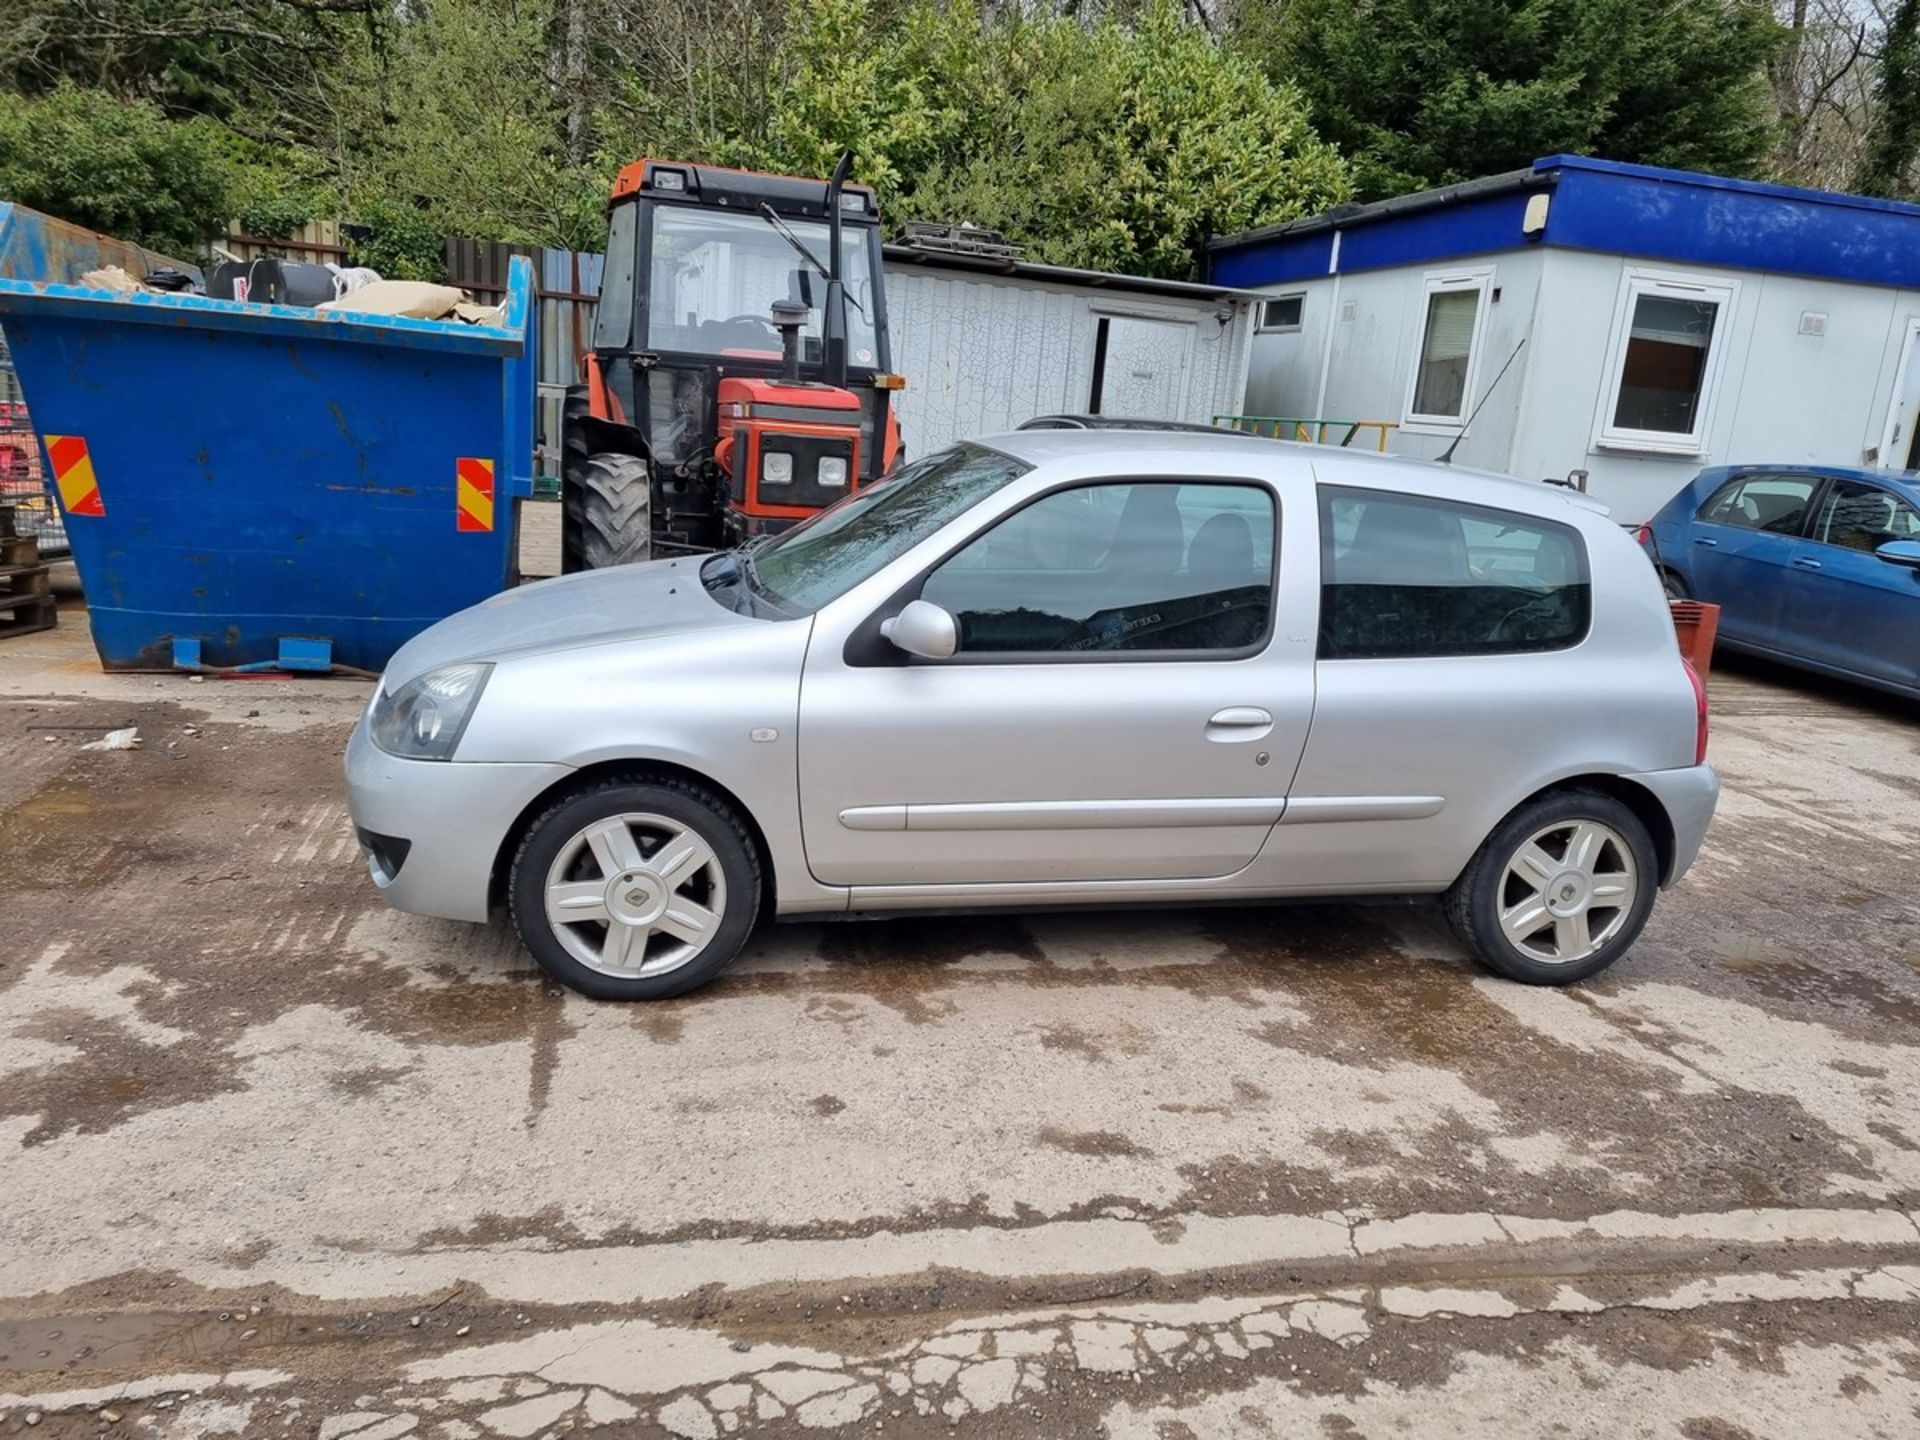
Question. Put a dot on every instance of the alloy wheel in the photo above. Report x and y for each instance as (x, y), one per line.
(636, 895)
(1567, 891)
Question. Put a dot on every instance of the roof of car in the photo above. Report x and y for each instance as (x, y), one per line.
(1905, 480)
(1427, 477)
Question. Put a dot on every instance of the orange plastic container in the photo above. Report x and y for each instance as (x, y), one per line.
(1696, 623)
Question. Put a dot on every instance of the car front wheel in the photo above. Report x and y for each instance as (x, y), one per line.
(1559, 891)
(635, 890)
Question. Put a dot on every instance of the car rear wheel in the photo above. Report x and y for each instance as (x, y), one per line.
(1675, 587)
(1560, 890)
(635, 890)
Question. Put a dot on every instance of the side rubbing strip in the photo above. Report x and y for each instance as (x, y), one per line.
(1095, 814)
(874, 817)
(1332, 809)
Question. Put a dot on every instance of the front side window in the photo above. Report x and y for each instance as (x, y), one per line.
(1444, 368)
(1669, 335)
(1404, 575)
(613, 315)
(1864, 517)
(716, 273)
(1147, 566)
(1774, 503)
(828, 554)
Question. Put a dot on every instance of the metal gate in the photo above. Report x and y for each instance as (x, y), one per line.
(23, 482)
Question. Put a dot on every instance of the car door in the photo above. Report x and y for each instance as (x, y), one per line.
(1846, 607)
(1742, 545)
(1128, 700)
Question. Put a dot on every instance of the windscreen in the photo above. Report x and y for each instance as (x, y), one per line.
(841, 546)
(715, 273)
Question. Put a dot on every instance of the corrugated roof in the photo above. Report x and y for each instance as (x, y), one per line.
(1061, 274)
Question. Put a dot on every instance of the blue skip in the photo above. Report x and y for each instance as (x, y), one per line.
(251, 485)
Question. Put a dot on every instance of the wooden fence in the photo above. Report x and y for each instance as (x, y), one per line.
(318, 242)
(566, 284)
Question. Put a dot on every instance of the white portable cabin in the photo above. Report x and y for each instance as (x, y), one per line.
(986, 343)
(1635, 323)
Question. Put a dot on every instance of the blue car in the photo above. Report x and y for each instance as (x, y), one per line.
(1814, 566)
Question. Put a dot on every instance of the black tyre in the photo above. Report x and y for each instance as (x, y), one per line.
(574, 455)
(1559, 891)
(1675, 587)
(608, 517)
(635, 890)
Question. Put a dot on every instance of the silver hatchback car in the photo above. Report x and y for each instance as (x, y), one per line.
(1060, 668)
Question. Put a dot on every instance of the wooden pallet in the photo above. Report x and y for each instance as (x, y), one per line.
(25, 580)
(26, 586)
(24, 614)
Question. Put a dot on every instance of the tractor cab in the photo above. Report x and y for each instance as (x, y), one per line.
(739, 375)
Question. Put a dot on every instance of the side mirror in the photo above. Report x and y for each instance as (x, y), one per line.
(923, 629)
(1905, 553)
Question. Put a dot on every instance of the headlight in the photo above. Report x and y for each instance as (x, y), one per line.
(776, 467)
(422, 720)
(833, 470)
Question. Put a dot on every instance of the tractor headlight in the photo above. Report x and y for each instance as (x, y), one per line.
(776, 468)
(424, 718)
(833, 470)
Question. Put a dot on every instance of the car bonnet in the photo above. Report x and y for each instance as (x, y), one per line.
(626, 602)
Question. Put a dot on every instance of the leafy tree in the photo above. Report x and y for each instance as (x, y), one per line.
(1105, 144)
(119, 167)
(1125, 145)
(1427, 92)
(396, 239)
(255, 65)
(1893, 142)
(456, 114)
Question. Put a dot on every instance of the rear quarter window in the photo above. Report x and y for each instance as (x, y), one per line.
(1409, 575)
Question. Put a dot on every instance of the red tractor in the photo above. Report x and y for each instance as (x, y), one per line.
(739, 378)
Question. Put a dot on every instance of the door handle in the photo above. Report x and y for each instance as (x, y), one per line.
(1805, 564)
(1711, 544)
(1239, 722)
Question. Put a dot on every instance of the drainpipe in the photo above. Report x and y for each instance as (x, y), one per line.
(1333, 319)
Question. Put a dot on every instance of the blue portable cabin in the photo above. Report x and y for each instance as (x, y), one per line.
(1670, 320)
(256, 485)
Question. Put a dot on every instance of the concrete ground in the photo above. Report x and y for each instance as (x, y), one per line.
(274, 1161)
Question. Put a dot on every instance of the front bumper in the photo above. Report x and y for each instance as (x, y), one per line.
(1688, 795)
(453, 817)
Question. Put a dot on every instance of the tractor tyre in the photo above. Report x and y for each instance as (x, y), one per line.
(574, 455)
(609, 511)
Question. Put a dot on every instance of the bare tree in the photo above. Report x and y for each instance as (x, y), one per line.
(1823, 83)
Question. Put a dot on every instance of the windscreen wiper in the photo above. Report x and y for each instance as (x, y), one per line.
(785, 232)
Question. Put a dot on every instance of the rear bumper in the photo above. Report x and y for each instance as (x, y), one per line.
(1688, 796)
(450, 818)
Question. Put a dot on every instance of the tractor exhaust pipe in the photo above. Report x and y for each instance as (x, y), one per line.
(788, 317)
(834, 322)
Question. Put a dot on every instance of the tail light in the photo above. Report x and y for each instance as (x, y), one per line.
(1644, 535)
(1700, 711)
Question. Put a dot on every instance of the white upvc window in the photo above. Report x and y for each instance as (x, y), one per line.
(1446, 362)
(1281, 315)
(1663, 365)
